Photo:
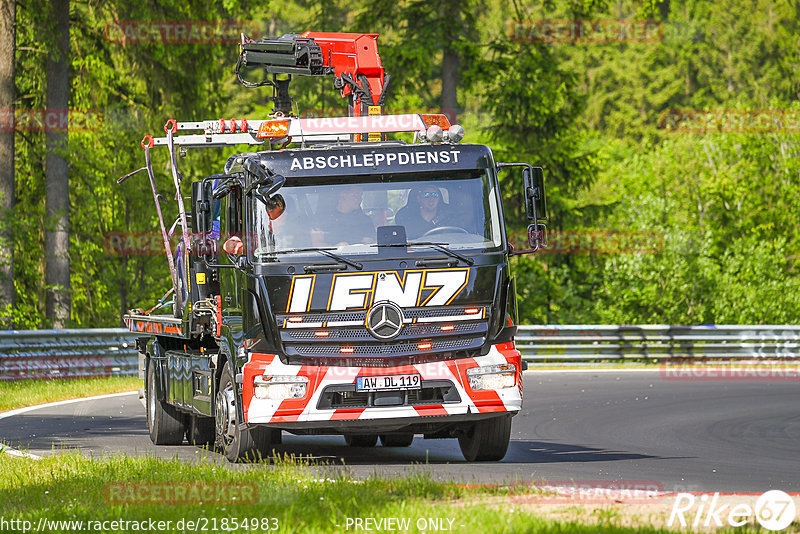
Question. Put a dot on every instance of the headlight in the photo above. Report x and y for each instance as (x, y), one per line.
(493, 376)
(276, 387)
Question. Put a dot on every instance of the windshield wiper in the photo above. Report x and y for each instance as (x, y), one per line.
(436, 246)
(325, 252)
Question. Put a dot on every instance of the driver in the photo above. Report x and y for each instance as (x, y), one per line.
(422, 213)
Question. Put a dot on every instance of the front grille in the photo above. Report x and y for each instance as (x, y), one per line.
(409, 313)
(435, 332)
(346, 396)
(388, 349)
(409, 331)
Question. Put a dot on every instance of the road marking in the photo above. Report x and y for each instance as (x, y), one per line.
(11, 413)
(20, 454)
(18, 411)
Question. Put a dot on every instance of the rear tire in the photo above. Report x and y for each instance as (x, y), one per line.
(166, 424)
(397, 440)
(236, 443)
(200, 431)
(487, 440)
(361, 440)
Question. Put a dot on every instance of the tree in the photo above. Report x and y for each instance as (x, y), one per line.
(57, 171)
(8, 12)
(429, 44)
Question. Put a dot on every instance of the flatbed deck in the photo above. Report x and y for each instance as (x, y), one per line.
(162, 325)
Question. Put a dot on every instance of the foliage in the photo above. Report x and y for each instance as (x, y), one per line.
(289, 494)
(20, 393)
(588, 113)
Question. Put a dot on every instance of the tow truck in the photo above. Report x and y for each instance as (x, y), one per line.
(331, 280)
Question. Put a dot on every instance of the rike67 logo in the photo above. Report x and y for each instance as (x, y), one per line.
(774, 510)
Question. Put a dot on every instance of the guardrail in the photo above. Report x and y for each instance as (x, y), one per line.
(74, 353)
(582, 343)
(26, 354)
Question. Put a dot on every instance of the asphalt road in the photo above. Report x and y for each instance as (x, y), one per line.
(729, 436)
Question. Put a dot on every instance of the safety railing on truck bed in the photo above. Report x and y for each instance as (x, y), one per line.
(27, 354)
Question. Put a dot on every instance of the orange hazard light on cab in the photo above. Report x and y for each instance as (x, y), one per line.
(269, 129)
(438, 119)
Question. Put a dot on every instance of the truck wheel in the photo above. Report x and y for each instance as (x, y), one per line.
(167, 425)
(361, 440)
(200, 431)
(487, 440)
(265, 440)
(397, 440)
(236, 443)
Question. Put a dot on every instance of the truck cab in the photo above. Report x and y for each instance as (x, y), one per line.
(336, 282)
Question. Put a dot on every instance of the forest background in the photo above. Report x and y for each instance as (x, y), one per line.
(668, 131)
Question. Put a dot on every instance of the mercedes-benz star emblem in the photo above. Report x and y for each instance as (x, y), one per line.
(385, 320)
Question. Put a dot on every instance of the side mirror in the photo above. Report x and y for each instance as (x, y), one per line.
(222, 191)
(253, 166)
(272, 188)
(535, 206)
(202, 193)
(533, 183)
(276, 205)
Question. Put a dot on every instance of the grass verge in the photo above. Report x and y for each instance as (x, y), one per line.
(19, 393)
(283, 496)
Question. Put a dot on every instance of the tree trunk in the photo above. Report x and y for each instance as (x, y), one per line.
(450, 77)
(7, 43)
(451, 62)
(56, 242)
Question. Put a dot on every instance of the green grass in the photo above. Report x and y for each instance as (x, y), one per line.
(19, 393)
(74, 487)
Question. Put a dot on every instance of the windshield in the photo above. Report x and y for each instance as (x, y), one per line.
(459, 210)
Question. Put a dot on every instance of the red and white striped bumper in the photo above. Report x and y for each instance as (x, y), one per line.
(306, 409)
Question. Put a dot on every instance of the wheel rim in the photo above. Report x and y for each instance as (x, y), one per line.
(225, 419)
(151, 402)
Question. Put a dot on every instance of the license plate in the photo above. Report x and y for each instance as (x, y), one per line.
(388, 382)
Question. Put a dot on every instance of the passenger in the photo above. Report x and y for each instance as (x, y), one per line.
(346, 223)
(422, 212)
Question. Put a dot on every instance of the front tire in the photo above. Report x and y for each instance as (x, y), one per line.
(486, 440)
(166, 424)
(237, 443)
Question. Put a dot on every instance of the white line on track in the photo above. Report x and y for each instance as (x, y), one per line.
(18, 411)
(11, 413)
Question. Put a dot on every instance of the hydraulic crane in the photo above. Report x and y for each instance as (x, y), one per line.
(352, 58)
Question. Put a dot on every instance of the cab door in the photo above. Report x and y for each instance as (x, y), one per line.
(232, 279)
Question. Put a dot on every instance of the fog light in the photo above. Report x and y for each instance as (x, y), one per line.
(455, 133)
(276, 387)
(435, 133)
(499, 376)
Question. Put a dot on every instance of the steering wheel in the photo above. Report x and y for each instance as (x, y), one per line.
(444, 229)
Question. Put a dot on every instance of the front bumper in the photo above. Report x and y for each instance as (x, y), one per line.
(463, 404)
